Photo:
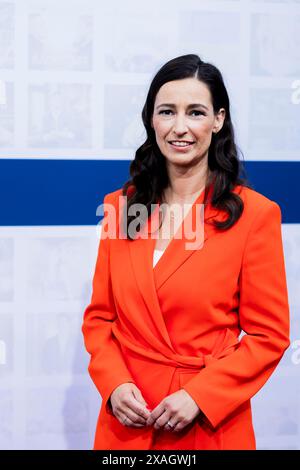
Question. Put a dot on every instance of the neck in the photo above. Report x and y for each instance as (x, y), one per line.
(184, 190)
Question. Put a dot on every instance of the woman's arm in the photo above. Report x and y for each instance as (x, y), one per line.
(227, 383)
(107, 367)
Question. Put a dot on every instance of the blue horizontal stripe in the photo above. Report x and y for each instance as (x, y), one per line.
(67, 192)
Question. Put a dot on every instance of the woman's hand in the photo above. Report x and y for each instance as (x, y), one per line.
(179, 409)
(129, 406)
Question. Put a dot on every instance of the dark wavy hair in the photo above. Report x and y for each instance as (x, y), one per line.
(148, 170)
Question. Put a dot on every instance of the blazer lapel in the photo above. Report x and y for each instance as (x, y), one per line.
(150, 279)
(180, 249)
(141, 253)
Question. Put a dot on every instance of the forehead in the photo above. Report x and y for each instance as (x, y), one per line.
(188, 90)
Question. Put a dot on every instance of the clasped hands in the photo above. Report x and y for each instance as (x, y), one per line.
(173, 413)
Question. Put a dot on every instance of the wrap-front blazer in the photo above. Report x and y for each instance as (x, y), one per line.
(212, 320)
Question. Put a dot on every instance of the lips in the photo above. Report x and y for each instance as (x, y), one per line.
(181, 148)
(181, 141)
(184, 144)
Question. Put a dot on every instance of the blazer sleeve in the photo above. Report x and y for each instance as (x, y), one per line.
(107, 367)
(228, 382)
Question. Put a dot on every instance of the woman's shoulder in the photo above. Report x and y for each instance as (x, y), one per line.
(256, 203)
(252, 198)
(113, 196)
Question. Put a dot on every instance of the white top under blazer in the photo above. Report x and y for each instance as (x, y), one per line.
(156, 255)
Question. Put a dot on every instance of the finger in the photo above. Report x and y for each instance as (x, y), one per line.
(139, 397)
(161, 420)
(170, 424)
(139, 405)
(126, 421)
(155, 414)
(137, 408)
(179, 426)
(134, 417)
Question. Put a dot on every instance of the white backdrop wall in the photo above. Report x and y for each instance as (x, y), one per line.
(73, 80)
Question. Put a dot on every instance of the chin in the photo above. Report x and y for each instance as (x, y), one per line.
(180, 161)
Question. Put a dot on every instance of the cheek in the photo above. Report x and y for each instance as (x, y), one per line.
(161, 128)
(202, 132)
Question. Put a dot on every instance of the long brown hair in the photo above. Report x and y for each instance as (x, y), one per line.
(148, 170)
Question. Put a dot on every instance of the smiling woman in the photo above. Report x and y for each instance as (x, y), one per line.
(186, 126)
(189, 137)
(166, 353)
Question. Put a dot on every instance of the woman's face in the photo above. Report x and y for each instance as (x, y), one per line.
(183, 111)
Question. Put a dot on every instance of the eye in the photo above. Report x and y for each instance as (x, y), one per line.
(165, 111)
(194, 111)
(200, 112)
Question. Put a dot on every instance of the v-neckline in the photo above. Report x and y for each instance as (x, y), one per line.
(150, 279)
(169, 246)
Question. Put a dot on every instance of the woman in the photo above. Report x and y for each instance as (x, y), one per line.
(164, 324)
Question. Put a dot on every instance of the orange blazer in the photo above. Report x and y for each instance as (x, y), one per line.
(178, 325)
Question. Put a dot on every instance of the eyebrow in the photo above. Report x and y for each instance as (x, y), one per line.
(194, 105)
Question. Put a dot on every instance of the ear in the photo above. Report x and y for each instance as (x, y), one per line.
(219, 120)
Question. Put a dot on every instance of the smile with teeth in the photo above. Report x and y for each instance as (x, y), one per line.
(179, 143)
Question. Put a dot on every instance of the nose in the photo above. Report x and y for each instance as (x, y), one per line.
(180, 126)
